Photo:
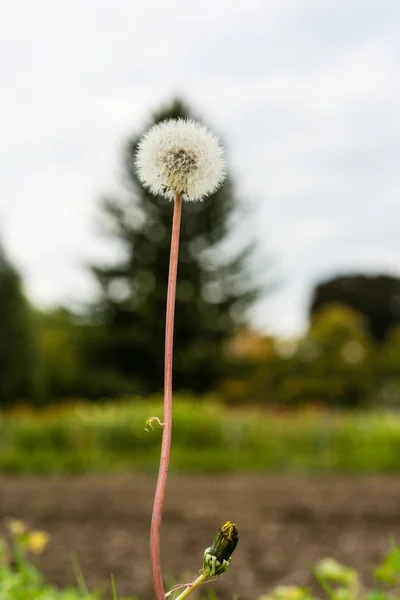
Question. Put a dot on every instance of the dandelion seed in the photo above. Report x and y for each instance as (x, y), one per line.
(180, 156)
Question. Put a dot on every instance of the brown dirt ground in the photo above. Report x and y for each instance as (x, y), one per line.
(285, 524)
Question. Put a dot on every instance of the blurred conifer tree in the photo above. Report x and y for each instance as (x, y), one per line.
(215, 288)
(17, 357)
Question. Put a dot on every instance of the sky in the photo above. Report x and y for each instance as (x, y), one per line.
(305, 93)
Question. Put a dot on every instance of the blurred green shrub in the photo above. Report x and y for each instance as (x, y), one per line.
(335, 364)
(388, 367)
(62, 369)
(57, 336)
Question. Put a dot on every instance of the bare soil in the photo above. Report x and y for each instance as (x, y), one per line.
(285, 524)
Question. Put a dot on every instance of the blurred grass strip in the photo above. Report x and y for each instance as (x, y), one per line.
(207, 438)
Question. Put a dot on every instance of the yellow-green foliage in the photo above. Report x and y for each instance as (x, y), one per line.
(207, 437)
(389, 368)
(343, 583)
(335, 364)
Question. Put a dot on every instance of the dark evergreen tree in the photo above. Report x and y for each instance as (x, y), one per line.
(16, 338)
(213, 290)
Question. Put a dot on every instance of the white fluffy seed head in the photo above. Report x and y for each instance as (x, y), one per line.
(180, 156)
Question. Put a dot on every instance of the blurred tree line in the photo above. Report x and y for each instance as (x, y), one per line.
(349, 356)
(335, 363)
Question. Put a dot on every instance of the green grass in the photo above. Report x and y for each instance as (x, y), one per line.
(207, 438)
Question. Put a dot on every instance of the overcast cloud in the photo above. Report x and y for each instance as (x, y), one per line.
(305, 93)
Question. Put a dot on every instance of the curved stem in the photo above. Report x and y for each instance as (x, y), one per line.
(166, 438)
(191, 587)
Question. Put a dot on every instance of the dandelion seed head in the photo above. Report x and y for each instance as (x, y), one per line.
(180, 156)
